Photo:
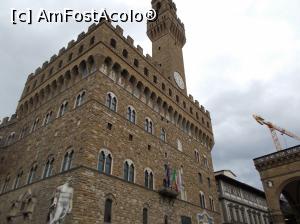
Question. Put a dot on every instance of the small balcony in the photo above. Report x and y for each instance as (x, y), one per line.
(168, 193)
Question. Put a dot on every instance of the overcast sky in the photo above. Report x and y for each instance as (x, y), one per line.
(241, 57)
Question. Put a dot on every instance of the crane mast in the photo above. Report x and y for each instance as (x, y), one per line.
(273, 128)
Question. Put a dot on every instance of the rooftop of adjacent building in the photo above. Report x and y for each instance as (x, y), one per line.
(229, 177)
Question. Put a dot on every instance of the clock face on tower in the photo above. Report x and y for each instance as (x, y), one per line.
(179, 80)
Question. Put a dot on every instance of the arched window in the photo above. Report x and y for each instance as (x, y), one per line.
(197, 155)
(211, 203)
(111, 101)
(108, 164)
(48, 118)
(149, 178)
(200, 178)
(80, 99)
(129, 171)
(62, 109)
(113, 43)
(80, 50)
(67, 162)
(35, 124)
(163, 134)
(23, 132)
(107, 211)
(10, 138)
(5, 185)
(31, 174)
(136, 63)
(83, 69)
(92, 40)
(148, 125)
(101, 162)
(179, 145)
(105, 162)
(48, 167)
(208, 182)
(131, 114)
(145, 215)
(202, 199)
(205, 161)
(166, 220)
(70, 56)
(146, 71)
(125, 53)
(126, 170)
(18, 178)
(60, 64)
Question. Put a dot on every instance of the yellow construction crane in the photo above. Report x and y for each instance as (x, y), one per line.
(273, 128)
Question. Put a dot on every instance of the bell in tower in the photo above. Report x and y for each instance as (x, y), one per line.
(167, 34)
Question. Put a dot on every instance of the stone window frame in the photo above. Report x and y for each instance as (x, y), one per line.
(145, 215)
(23, 132)
(10, 138)
(129, 114)
(205, 161)
(197, 155)
(51, 161)
(32, 173)
(110, 96)
(149, 172)
(68, 160)
(63, 108)
(125, 53)
(130, 163)
(202, 199)
(113, 43)
(106, 154)
(200, 177)
(163, 135)
(80, 98)
(35, 124)
(18, 179)
(179, 145)
(107, 215)
(6, 183)
(48, 118)
(211, 203)
(149, 125)
(92, 40)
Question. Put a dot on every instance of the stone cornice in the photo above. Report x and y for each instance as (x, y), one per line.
(278, 158)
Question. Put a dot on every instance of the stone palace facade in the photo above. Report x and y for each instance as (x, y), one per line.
(104, 134)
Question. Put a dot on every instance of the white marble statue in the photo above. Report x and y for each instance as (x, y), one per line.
(62, 204)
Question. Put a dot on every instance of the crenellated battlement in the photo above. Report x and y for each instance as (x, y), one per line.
(8, 120)
(128, 39)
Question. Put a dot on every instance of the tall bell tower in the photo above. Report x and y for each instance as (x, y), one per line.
(167, 34)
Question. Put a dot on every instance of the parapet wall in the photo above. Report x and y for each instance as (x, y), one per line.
(8, 120)
(119, 31)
